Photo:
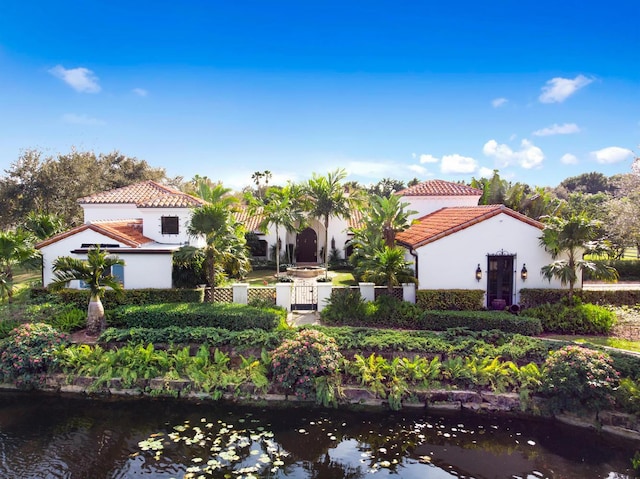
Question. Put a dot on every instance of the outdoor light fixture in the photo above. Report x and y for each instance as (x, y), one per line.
(523, 272)
(478, 273)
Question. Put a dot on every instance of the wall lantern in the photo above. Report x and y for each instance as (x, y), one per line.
(523, 272)
(478, 273)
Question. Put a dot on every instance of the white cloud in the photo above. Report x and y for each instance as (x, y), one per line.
(452, 164)
(140, 91)
(529, 156)
(559, 89)
(569, 159)
(498, 102)
(76, 119)
(419, 170)
(80, 79)
(612, 154)
(485, 172)
(428, 159)
(555, 129)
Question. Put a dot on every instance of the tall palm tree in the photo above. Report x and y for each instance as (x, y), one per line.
(327, 197)
(571, 239)
(44, 225)
(388, 267)
(16, 249)
(95, 271)
(281, 208)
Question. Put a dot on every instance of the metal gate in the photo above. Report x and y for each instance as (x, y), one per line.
(304, 297)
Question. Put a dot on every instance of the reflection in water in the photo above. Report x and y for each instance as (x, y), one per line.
(52, 437)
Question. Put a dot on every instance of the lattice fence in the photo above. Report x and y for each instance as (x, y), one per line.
(221, 295)
(383, 290)
(262, 294)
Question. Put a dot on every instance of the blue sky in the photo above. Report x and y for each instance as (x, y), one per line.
(539, 90)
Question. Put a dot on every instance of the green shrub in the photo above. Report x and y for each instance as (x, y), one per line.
(628, 396)
(531, 298)
(80, 297)
(478, 321)
(577, 379)
(234, 317)
(69, 320)
(577, 319)
(345, 306)
(450, 299)
(6, 326)
(28, 353)
(628, 270)
(297, 362)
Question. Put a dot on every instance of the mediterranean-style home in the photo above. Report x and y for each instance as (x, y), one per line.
(143, 223)
(453, 243)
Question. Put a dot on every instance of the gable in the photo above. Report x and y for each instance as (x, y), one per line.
(127, 232)
(447, 221)
(147, 194)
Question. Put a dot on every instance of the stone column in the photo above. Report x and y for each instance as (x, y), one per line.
(368, 291)
(283, 295)
(409, 292)
(324, 293)
(240, 293)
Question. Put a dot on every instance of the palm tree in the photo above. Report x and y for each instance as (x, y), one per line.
(571, 239)
(16, 249)
(328, 198)
(43, 225)
(389, 213)
(281, 208)
(388, 267)
(95, 271)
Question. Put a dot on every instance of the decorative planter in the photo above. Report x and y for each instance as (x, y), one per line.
(498, 304)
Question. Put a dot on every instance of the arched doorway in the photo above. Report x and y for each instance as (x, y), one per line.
(307, 246)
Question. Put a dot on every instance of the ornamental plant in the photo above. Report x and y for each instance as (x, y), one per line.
(29, 353)
(577, 379)
(297, 362)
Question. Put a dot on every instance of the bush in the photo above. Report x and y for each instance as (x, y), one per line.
(628, 270)
(450, 299)
(29, 353)
(80, 298)
(479, 321)
(345, 306)
(531, 298)
(577, 379)
(235, 317)
(577, 319)
(297, 362)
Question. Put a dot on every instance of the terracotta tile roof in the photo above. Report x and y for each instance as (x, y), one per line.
(355, 219)
(446, 221)
(439, 188)
(147, 194)
(250, 222)
(128, 232)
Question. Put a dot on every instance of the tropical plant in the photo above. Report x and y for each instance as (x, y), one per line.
(96, 273)
(282, 207)
(16, 249)
(389, 214)
(327, 198)
(388, 267)
(43, 225)
(570, 239)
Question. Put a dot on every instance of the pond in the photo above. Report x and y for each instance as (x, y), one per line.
(52, 437)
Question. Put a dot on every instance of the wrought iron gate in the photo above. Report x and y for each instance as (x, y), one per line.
(304, 297)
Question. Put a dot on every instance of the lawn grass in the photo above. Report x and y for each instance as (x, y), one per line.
(609, 341)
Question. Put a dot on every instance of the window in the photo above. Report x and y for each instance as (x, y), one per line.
(117, 271)
(169, 225)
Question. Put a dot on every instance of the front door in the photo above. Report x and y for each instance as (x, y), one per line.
(500, 282)
(307, 246)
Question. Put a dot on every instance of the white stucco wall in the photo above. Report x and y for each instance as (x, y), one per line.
(140, 270)
(451, 262)
(152, 226)
(428, 204)
(110, 212)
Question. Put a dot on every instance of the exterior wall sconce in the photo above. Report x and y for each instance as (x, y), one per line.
(478, 273)
(523, 272)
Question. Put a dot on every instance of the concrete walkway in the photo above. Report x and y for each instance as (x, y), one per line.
(300, 318)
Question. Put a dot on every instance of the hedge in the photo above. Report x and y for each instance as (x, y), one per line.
(450, 299)
(628, 270)
(531, 298)
(234, 317)
(479, 321)
(111, 299)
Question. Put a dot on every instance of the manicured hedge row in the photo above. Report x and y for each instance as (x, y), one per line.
(531, 298)
(628, 270)
(450, 299)
(479, 321)
(234, 317)
(80, 297)
(215, 337)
